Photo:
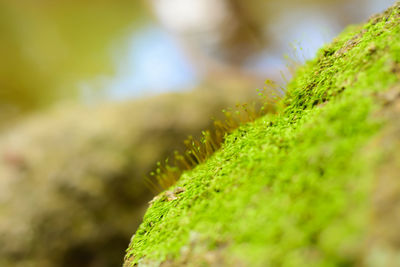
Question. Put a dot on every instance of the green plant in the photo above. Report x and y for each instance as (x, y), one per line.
(198, 150)
(299, 187)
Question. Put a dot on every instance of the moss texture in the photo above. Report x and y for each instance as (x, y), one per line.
(67, 174)
(294, 188)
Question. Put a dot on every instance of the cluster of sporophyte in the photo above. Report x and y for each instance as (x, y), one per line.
(198, 150)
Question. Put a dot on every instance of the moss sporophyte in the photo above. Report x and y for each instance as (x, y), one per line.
(297, 187)
(198, 150)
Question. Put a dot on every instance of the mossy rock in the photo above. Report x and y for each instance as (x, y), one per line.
(72, 179)
(316, 184)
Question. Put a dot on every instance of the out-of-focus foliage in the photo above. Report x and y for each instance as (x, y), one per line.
(229, 33)
(47, 47)
(72, 188)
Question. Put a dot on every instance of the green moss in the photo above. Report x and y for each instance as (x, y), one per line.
(293, 188)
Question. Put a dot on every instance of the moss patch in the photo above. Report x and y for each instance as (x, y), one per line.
(294, 188)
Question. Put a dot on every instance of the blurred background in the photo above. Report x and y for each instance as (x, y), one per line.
(93, 93)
